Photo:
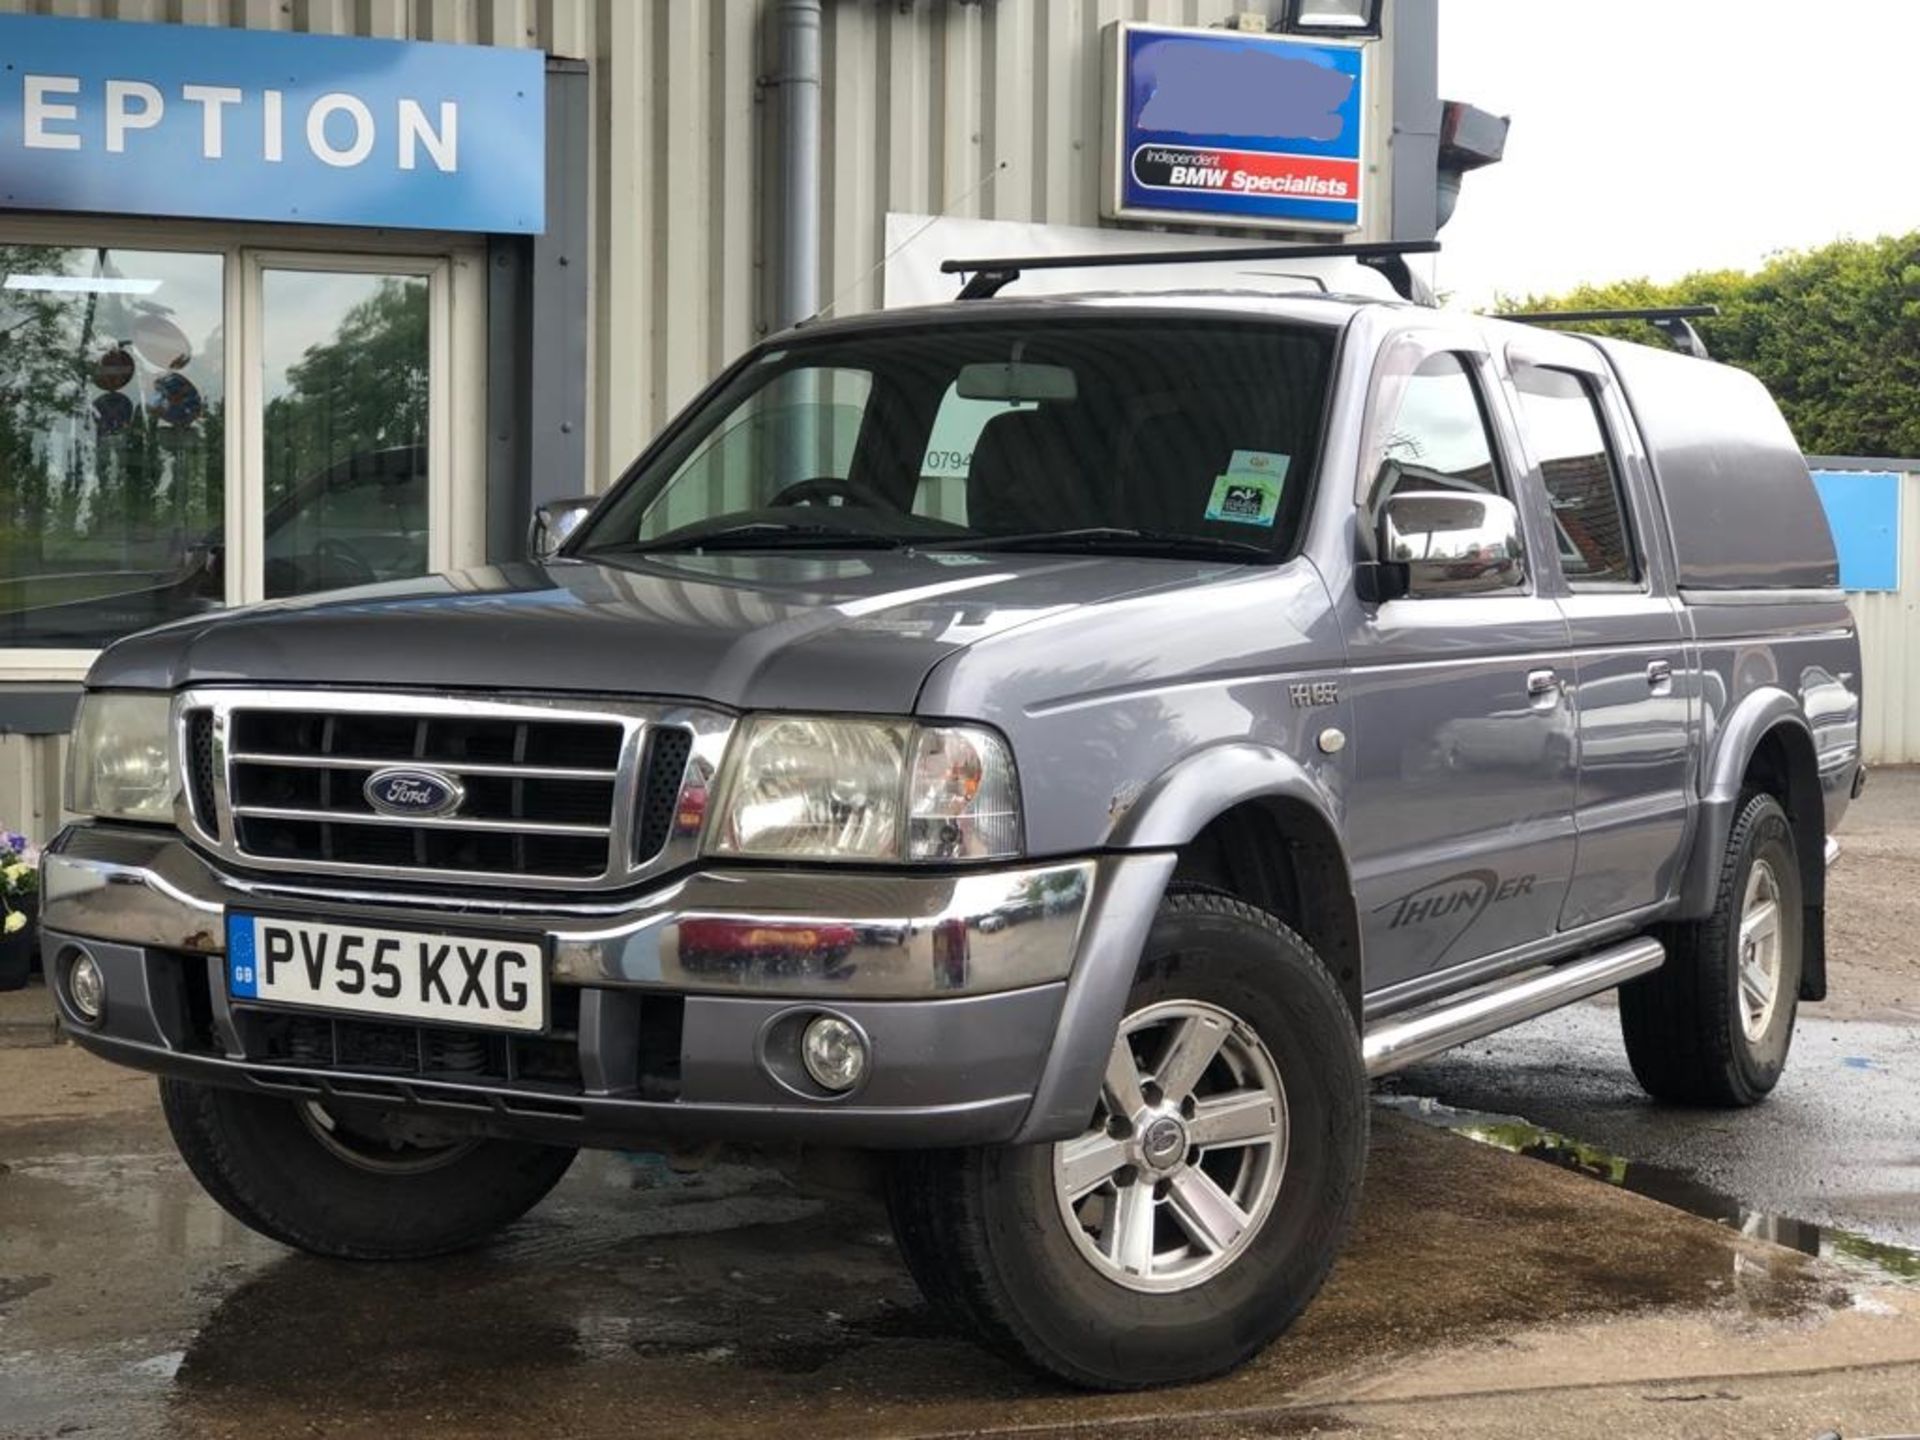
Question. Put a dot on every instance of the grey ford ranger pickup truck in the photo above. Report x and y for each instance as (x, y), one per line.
(1056, 749)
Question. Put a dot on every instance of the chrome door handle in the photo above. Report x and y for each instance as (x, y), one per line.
(1541, 683)
(1660, 674)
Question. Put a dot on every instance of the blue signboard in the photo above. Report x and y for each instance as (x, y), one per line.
(214, 123)
(1240, 129)
(1863, 510)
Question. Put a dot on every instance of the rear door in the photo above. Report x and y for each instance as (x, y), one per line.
(1632, 675)
(1460, 822)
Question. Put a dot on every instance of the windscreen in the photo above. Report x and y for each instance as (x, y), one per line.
(1131, 434)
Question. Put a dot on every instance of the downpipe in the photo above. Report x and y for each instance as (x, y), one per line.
(796, 119)
(1406, 1040)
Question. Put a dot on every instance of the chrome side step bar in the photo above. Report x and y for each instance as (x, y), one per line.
(1406, 1039)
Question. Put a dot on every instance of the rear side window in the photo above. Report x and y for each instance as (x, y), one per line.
(1561, 416)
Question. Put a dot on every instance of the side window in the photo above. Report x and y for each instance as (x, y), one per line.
(1438, 439)
(1561, 416)
(802, 424)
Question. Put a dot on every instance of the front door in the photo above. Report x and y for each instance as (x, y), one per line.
(1461, 821)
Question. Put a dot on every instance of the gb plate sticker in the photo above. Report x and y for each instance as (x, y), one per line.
(243, 979)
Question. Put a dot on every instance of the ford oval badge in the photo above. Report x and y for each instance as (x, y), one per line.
(421, 794)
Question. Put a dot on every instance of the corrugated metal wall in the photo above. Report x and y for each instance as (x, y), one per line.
(979, 109)
(982, 109)
(1889, 622)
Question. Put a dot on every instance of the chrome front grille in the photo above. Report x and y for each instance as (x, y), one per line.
(553, 793)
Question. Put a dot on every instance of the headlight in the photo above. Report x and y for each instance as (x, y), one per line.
(800, 787)
(120, 760)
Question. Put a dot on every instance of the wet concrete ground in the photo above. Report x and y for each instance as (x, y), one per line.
(1483, 1293)
(1837, 1144)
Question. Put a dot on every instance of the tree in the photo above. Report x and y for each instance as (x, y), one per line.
(363, 390)
(1834, 333)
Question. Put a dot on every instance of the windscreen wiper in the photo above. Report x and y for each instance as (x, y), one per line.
(1118, 539)
(756, 535)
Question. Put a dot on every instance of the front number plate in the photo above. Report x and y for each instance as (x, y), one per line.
(399, 974)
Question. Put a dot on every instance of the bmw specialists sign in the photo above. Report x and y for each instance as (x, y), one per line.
(1236, 129)
(208, 122)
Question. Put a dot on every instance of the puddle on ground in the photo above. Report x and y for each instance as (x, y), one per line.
(1862, 1256)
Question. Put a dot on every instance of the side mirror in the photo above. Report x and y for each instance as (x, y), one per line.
(1447, 542)
(554, 521)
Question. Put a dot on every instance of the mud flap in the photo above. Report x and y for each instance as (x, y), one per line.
(1813, 953)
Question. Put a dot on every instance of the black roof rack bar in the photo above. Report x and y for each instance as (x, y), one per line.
(1669, 320)
(988, 277)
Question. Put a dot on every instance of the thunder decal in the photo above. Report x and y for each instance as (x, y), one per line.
(1458, 899)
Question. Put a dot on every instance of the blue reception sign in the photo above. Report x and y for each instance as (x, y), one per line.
(209, 122)
(1863, 511)
(1235, 128)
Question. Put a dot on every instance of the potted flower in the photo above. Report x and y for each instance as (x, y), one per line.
(19, 906)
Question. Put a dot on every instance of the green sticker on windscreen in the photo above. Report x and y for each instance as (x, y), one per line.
(1249, 493)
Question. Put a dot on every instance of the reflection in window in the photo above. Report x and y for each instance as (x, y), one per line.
(112, 424)
(1565, 435)
(1439, 437)
(345, 361)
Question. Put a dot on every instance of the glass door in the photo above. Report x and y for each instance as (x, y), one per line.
(347, 421)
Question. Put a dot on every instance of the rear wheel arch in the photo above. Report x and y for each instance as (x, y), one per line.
(1764, 746)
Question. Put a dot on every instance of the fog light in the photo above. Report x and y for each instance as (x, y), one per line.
(834, 1052)
(86, 988)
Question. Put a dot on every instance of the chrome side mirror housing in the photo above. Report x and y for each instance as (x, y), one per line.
(554, 521)
(1447, 542)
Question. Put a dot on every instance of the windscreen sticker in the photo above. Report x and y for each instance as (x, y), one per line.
(1249, 493)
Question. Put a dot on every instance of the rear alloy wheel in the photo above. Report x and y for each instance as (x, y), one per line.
(1200, 1210)
(1713, 1025)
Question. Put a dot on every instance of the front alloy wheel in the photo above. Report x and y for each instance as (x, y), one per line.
(1200, 1210)
(1186, 1152)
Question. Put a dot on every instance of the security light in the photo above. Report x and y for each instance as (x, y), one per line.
(82, 284)
(1333, 17)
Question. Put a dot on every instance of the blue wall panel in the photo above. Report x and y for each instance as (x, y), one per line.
(1864, 510)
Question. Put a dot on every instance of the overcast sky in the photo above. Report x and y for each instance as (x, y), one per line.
(1656, 137)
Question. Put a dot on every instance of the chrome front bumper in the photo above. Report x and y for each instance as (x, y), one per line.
(961, 982)
(820, 933)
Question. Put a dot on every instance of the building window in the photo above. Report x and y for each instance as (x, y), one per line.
(197, 417)
(113, 416)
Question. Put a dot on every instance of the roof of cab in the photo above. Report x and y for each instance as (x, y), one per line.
(1300, 307)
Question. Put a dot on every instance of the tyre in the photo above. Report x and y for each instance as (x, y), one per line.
(1712, 1026)
(343, 1183)
(1203, 1206)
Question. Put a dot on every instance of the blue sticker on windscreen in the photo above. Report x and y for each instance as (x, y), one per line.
(243, 979)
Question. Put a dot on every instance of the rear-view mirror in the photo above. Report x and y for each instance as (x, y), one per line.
(1016, 381)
